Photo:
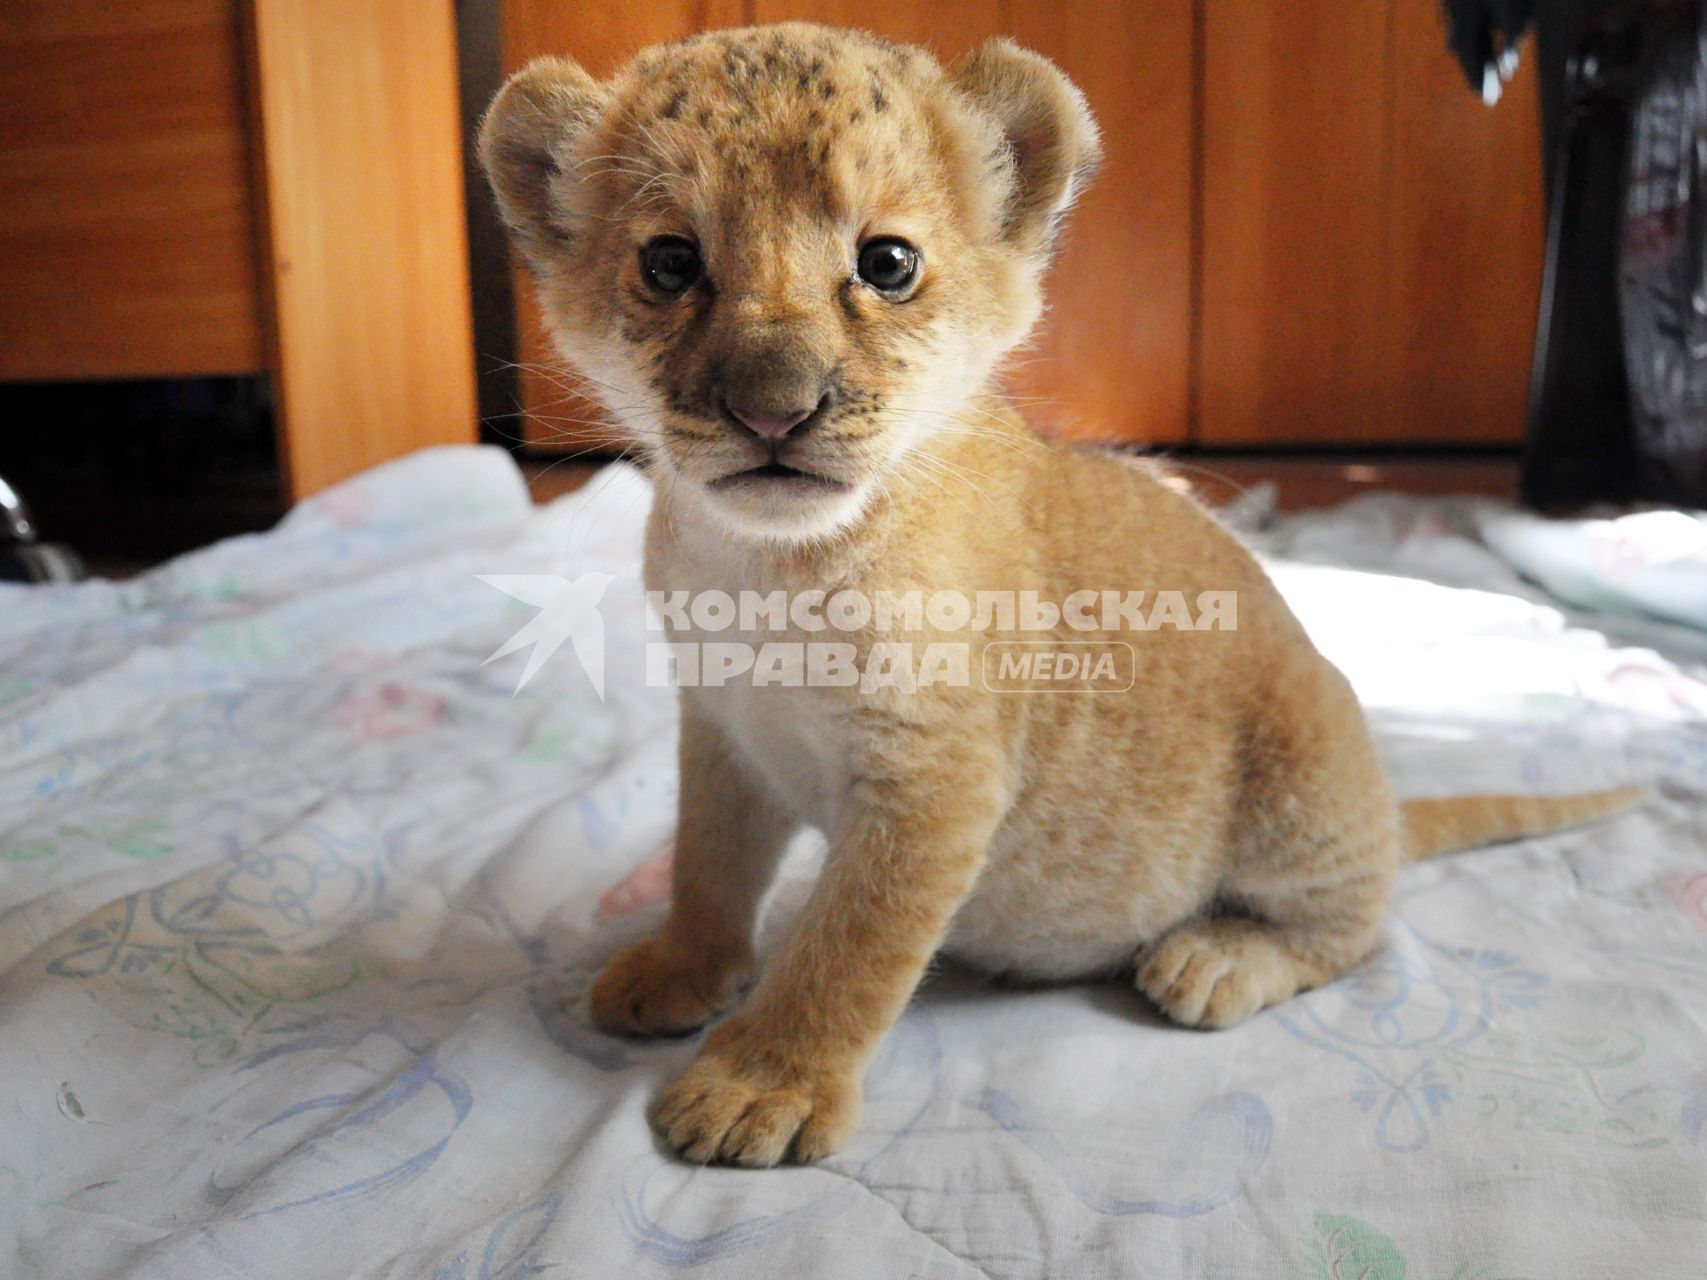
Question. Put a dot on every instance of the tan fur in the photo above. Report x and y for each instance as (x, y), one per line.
(1224, 828)
(1430, 828)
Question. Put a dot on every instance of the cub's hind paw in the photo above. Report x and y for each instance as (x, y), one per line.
(1218, 972)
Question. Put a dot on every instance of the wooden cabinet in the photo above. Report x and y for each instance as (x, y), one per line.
(204, 187)
(1371, 233)
(1309, 231)
(127, 226)
(1113, 358)
(359, 141)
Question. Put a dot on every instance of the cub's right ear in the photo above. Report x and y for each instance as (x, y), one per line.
(526, 141)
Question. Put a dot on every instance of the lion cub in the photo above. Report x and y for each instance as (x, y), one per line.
(791, 258)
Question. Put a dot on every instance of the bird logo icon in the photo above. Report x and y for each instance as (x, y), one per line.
(568, 610)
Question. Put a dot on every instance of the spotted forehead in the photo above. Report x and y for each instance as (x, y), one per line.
(744, 71)
(773, 110)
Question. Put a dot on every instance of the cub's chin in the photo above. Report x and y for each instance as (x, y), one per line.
(778, 503)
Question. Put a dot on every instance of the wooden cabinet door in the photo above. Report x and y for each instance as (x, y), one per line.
(1466, 234)
(945, 27)
(127, 225)
(1112, 361)
(358, 145)
(1371, 233)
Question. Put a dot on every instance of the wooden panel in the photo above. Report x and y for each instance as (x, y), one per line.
(361, 151)
(1296, 130)
(1467, 225)
(601, 37)
(1114, 358)
(1371, 232)
(945, 27)
(127, 233)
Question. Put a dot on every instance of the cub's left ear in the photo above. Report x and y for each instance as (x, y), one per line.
(1049, 131)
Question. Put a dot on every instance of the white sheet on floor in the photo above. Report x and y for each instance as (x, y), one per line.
(298, 902)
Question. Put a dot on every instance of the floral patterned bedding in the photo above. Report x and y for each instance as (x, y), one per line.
(299, 898)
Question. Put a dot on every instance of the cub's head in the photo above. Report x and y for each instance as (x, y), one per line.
(786, 255)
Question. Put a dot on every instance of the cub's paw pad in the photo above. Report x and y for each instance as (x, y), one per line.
(649, 989)
(716, 1113)
(1204, 977)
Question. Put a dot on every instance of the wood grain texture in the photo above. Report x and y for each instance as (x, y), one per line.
(127, 231)
(360, 151)
(1466, 231)
(1295, 138)
(1113, 359)
(601, 37)
(1371, 232)
(946, 27)
(1330, 242)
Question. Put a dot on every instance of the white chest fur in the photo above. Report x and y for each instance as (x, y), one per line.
(791, 738)
(793, 735)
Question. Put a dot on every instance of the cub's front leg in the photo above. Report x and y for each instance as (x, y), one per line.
(780, 1080)
(729, 838)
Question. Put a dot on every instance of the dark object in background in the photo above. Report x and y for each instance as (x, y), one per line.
(1662, 279)
(1577, 443)
(133, 472)
(1578, 447)
(480, 73)
(1618, 405)
(24, 557)
(1481, 32)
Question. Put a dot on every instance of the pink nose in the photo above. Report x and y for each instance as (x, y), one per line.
(768, 423)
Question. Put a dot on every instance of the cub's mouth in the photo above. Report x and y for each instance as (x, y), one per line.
(778, 474)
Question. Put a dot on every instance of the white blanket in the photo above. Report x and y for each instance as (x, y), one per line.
(298, 903)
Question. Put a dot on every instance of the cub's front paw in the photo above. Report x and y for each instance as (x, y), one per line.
(655, 989)
(735, 1110)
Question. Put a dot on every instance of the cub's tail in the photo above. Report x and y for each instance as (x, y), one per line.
(1434, 827)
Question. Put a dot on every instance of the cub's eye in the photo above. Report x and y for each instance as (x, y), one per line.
(888, 264)
(670, 263)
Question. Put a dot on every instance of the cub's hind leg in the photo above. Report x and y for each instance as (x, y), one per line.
(1218, 971)
(1304, 891)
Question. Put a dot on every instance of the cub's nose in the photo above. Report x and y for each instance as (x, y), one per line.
(775, 422)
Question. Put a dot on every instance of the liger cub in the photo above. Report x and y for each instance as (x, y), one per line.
(791, 259)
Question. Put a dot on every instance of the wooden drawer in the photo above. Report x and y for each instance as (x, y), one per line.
(1310, 231)
(201, 187)
(128, 243)
(1371, 235)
